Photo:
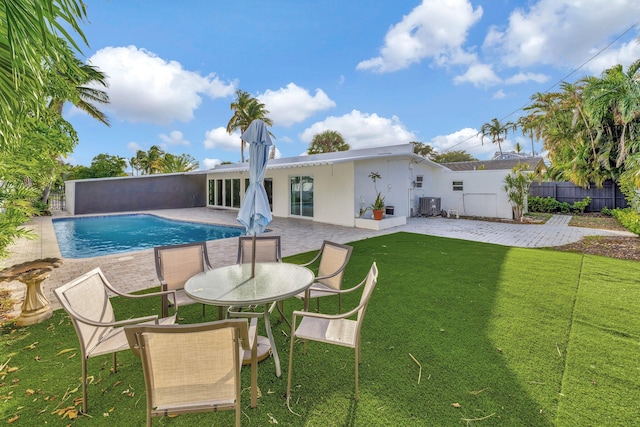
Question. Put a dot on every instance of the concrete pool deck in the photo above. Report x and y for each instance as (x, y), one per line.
(136, 270)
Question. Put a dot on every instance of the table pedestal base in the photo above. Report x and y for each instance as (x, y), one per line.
(35, 307)
(264, 349)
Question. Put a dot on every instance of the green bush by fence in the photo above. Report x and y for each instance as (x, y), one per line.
(551, 205)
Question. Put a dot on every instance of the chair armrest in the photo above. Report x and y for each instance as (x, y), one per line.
(300, 313)
(341, 291)
(117, 323)
(312, 261)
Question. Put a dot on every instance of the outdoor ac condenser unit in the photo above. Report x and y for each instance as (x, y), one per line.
(429, 206)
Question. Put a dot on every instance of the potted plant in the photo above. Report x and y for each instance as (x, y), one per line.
(377, 207)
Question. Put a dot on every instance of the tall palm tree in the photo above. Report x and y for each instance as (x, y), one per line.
(74, 88)
(71, 84)
(617, 93)
(497, 131)
(245, 110)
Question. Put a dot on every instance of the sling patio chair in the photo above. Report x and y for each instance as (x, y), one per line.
(195, 368)
(333, 260)
(175, 264)
(86, 301)
(335, 329)
(268, 249)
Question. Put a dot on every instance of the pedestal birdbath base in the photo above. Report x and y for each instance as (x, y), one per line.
(35, 307)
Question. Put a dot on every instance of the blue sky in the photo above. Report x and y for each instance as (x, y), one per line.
(379, 72)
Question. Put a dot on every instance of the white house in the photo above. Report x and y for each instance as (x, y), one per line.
(335, 188)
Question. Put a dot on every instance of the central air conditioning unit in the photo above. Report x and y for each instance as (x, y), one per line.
(429, 206)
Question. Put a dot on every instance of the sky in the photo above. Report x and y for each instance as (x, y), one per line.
(379, 72)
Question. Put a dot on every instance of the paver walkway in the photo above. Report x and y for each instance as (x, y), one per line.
(136, 270)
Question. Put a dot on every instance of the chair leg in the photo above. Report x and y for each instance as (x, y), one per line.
(293, 331)
(164, 310)
(357, 363)
(84, 385)
(115, 363)
(220, 312)
(254, 375)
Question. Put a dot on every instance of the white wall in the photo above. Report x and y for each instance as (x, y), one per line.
(70, 197)
(333, 191)
(482, 195)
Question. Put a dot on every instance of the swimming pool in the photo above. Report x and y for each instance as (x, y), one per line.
(88, 237)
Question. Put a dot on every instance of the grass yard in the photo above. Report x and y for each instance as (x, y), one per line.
(457, 333)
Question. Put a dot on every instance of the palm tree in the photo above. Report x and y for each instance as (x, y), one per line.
(328, 141)
(617, 93)
(150, 160)
(497, 131)
(70, 84)
(170, 163)
(33, 40)
(245, 110)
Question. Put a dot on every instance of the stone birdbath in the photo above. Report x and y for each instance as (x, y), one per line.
(35, 307)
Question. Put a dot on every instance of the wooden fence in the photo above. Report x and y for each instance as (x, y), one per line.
(608, 196)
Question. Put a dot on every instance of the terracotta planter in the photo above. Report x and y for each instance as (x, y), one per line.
(377, 214)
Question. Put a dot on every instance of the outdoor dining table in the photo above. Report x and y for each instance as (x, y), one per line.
(233, 286)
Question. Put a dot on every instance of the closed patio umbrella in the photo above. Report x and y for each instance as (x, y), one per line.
(255, 213)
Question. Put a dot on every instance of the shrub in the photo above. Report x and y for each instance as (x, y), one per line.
(581, 205)
(550, 205)
(629, 218)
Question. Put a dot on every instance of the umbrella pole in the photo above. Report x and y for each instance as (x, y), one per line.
(253, 256)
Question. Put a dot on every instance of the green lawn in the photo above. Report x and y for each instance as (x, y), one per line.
(505, 336)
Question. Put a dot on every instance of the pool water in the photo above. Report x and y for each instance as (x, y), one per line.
(89, 237)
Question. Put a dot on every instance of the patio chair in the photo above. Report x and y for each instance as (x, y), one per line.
(334, 329)
(195, 368)
(267, 249)
(86, 301)
(333, 260)
(175, 264)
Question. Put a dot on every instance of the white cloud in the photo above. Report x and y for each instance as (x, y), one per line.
(499, 94)
(134, 147)
(362, 130)
(526, 77)
(626, 54)
(563, 33)
(479, 75)
(174, 138)
(435, 28)
(294, 104)
(146, 88)
(210, 163)
(219, 138)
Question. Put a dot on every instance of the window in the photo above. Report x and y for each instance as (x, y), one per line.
(419, 180)
(236, 193)
(219, 192)
(301, 195)
(212, 191)
(457, 185)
